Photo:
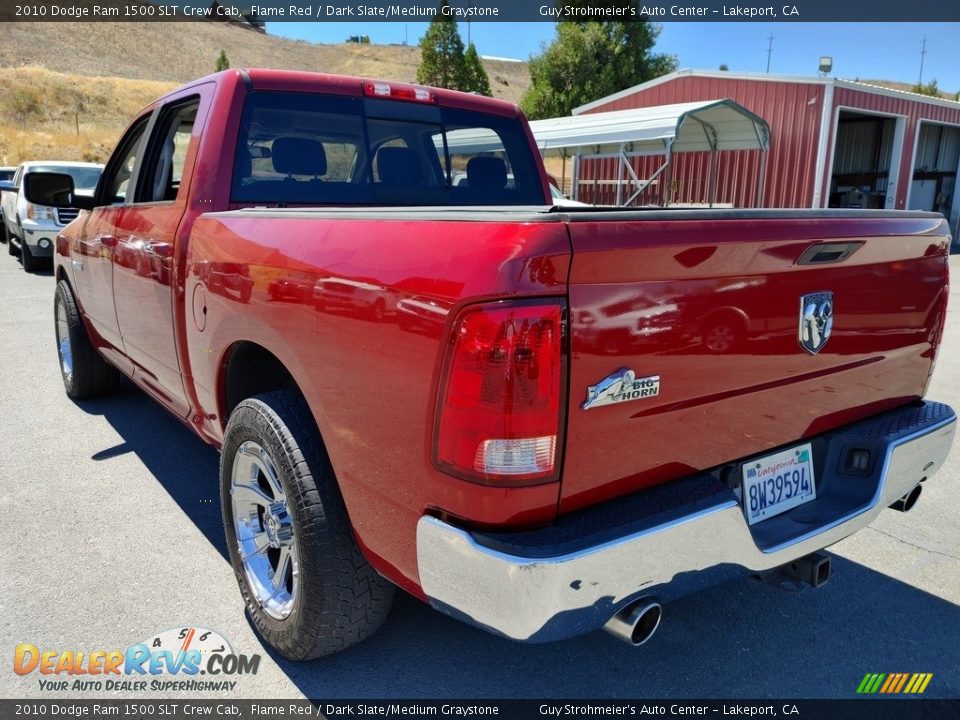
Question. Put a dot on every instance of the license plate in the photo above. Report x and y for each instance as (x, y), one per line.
(776, 483)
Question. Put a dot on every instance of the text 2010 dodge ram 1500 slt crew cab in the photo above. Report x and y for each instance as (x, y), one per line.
(505, 409)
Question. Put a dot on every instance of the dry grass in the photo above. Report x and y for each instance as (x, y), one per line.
(56, 76)
(50, 115)
(183, 51)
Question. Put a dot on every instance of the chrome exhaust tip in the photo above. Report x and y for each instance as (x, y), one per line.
(906, 503)
(637, 622)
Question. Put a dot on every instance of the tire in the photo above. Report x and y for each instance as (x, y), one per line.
(30, 262)
(10, 248)
(85, 374)
(275, 476)
(4, 238)
(723, 337)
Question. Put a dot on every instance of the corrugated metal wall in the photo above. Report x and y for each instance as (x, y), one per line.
(938, 148)
(914, 110)
(793, 111)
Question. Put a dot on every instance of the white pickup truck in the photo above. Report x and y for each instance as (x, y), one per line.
(31, 230)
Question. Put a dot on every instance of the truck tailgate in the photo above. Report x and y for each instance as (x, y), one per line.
(711, 304)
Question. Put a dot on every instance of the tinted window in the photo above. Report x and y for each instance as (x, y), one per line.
(6, 174)
(119, 172)
(297, 148)
(168, 153)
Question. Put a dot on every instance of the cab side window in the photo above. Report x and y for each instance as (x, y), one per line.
(167, 153)
(115, 187)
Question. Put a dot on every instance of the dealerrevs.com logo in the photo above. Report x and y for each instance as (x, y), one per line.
(186, 659)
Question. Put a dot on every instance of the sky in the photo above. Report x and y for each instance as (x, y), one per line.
(874, 51)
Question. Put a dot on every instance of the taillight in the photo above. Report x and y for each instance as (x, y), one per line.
(394, 91)
(501, 395)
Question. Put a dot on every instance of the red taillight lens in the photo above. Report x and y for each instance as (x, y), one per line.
(394, 91)
(499, 406)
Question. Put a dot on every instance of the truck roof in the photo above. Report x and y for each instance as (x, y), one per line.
(298, 80)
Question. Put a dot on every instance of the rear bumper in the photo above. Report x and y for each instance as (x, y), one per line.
(571, 578)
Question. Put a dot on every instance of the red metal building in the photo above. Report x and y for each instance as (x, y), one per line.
(834, 143)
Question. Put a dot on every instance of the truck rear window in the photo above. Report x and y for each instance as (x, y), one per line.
(304, 149)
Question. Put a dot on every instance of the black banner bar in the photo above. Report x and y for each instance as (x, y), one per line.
(257, 12)
(179, 709)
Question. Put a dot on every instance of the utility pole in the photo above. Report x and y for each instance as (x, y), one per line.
(769, 50)
(468, 33)
(923, 51)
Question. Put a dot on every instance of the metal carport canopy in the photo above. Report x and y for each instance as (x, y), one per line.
(684, 127)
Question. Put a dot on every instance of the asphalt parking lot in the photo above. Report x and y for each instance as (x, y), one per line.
(111, 532)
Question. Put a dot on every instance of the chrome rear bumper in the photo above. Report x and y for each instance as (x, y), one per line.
(571, 578)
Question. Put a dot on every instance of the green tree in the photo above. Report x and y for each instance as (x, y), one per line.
(441, 53)
(930, 89)
(724, 67)
(222, 62)
(589, 60)
(476, 75)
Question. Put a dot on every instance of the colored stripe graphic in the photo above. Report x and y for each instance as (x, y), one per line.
(894, 683)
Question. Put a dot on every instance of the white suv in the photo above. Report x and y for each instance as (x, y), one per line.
(32, 229)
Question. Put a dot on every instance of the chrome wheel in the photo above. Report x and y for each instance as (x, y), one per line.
(63, 342)
(720, 338)
(264, 530)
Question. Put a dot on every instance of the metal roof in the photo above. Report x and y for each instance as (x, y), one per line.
(765, 77)
(684, 127)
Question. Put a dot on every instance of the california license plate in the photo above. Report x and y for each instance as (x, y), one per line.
(776, 483)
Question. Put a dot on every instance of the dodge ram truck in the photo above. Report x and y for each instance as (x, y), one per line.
(504, 408)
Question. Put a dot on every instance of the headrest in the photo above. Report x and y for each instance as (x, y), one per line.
(399, 166)
(299, 156)
(488, 173)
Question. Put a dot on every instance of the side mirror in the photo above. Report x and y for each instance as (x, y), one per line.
(54, 190)
(8, 185)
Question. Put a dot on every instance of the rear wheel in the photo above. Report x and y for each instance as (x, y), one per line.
(723, 336)
(85, 374)
(307, 587)
(10, 248)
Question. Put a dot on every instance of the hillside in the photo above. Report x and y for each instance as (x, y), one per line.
(55, 77)
(904, 87)
(179, 52)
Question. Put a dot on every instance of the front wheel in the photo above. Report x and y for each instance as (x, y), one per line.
(307, 587)
(85, 374)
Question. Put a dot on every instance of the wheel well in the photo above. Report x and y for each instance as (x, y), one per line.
(62, 275)
(250, 370)
(731, 315)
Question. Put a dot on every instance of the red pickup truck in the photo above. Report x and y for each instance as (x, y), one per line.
(510, 410)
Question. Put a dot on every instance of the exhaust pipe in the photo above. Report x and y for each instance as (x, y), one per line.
(637, 622)
(906, 503)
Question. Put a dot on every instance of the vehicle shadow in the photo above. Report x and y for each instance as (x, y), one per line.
(742, 639)
(182, 463)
